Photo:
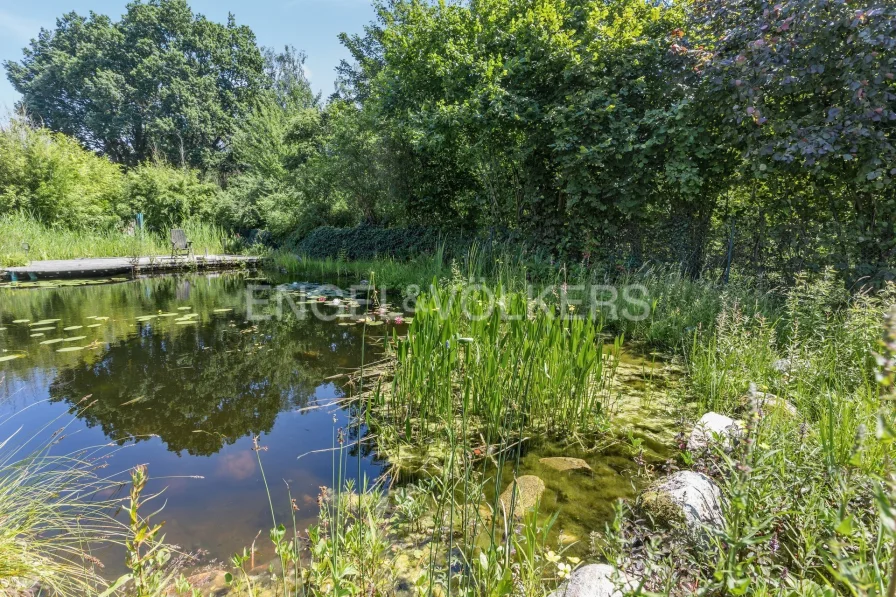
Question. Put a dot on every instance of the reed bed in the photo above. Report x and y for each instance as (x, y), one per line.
(24, 239)
(501, 365)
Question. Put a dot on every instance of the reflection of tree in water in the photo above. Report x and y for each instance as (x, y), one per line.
(211, 378)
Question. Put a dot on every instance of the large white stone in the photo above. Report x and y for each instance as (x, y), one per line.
(685, 497)
(596, 580)
(711, 428)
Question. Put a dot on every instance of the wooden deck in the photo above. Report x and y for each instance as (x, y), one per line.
(107, 266)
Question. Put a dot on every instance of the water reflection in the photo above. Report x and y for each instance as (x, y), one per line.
(187, 399)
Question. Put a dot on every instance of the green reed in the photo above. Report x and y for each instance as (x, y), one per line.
(463, 353)
(18, 231)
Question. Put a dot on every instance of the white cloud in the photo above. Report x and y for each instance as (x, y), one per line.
(18, 27)
(307, 71)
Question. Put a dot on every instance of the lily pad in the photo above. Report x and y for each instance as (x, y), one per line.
(146, 317)
(46, 329)
(72, 327)
(21, 320)
(73, 338)
(37, 335)
(223, 310)
(184, 308)
(169, 314)
(71, 348)
(10, 357)
(374, 323)
(186, 321)
(94, 325)
(45, 322)
(53, 341)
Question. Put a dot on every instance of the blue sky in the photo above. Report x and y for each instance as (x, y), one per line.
(309, 25)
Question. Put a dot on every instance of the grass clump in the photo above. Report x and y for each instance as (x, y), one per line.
(52, 516)
(18, 230)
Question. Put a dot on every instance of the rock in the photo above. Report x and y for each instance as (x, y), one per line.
(685, 497)
(767, 403)
(713, 427)
(562, 463)
(528, 491)
(596, 580)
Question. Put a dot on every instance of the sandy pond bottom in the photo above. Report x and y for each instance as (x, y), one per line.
(180, 380)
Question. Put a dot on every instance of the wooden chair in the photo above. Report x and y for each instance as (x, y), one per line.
(180, 244)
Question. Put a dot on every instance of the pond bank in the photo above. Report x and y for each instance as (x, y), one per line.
(90, 267)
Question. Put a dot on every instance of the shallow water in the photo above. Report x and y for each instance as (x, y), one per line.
(186, 398)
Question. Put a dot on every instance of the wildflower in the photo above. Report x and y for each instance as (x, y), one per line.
(399, 320)
(563, 570)
(552, 557)
(574, 560)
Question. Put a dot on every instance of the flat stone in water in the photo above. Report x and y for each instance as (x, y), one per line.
(563, 463)
(528, 491)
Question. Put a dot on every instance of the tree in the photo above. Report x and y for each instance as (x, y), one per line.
(806, 91)
(162, 80)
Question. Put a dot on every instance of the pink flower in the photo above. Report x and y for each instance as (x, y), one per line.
(399, 320)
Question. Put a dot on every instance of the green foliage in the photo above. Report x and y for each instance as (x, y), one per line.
(49, 176)
(51, 517)
(46, 242)
(167, 196)
(162, 80)
(370, 242)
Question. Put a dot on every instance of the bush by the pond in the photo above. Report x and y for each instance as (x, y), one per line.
(370, 242)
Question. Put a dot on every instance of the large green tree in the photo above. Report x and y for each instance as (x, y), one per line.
(162, 80)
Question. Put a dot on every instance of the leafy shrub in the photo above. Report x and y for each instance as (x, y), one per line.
(53, 178)
(167, 196)
(366, 242)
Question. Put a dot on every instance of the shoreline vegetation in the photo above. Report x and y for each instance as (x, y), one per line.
(798, 377)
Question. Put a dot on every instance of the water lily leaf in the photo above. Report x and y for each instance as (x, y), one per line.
(372, 323)
(169, 314)
(10, 357)
(53, 341)
(184, 308)
(71, 348)
(2, 329)
(186, 321)
(21, 320)
(45, 329)
(45, 322)
(146, 317)
(223, 310)
(94, 325)
(38, 335)
(73, 338)
(72, 327)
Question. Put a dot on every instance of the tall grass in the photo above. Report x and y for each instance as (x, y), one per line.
(55, 510)
(808, 486)
(18, 230)
(468, 353)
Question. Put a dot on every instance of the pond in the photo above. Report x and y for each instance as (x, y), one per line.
(181, 374)
(171, 369)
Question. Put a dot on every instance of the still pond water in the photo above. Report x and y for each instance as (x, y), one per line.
(185, 393)
(175, 374)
